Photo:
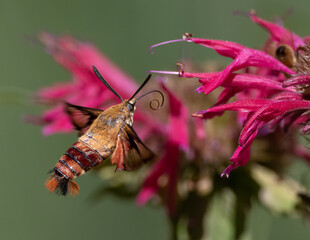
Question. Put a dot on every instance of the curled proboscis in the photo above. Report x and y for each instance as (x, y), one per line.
(158, 103)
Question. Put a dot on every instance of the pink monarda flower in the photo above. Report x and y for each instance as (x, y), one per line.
(84, 88)
(271, 86)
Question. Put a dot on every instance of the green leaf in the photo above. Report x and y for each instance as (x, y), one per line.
(219, 221)
(278, 194)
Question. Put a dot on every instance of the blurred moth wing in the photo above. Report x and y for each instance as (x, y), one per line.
(130, 152)
(82, 117)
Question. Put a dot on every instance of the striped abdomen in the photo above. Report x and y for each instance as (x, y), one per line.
(78, 159)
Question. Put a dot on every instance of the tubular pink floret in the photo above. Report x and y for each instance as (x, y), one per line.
(166, 42)
(164, 72)
(227, 170)
(297, 80)
(278, 33)
(267, 113)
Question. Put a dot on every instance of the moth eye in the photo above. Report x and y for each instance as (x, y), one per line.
(286, 55)
(130, 107)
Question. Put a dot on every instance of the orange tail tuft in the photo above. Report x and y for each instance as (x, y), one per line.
(51, 184)
(62, 185)
(73, 188)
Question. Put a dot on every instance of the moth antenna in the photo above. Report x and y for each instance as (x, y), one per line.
(106, 83)
(141, 86)
(159, 105)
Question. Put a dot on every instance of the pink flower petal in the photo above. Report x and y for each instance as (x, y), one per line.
(58, 91)
(246, 105)
(60, 126)
(168, 167)
(243, 57)
(239, 81)
(240, 157)
(178, 120)
(199, 128)
(297, 80)
(267, 113)
(278, 33)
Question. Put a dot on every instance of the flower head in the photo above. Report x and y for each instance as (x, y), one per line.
(272, 94)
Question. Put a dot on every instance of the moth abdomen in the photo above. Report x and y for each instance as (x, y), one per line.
(78, 159)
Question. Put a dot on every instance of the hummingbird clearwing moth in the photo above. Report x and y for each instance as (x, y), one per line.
(102, 134)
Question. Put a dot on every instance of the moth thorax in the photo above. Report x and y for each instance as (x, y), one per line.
(129, 120)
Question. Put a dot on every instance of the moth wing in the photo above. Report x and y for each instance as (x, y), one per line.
(82, 117)
(130, 152)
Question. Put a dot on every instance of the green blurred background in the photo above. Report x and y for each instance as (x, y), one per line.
(123, 30)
